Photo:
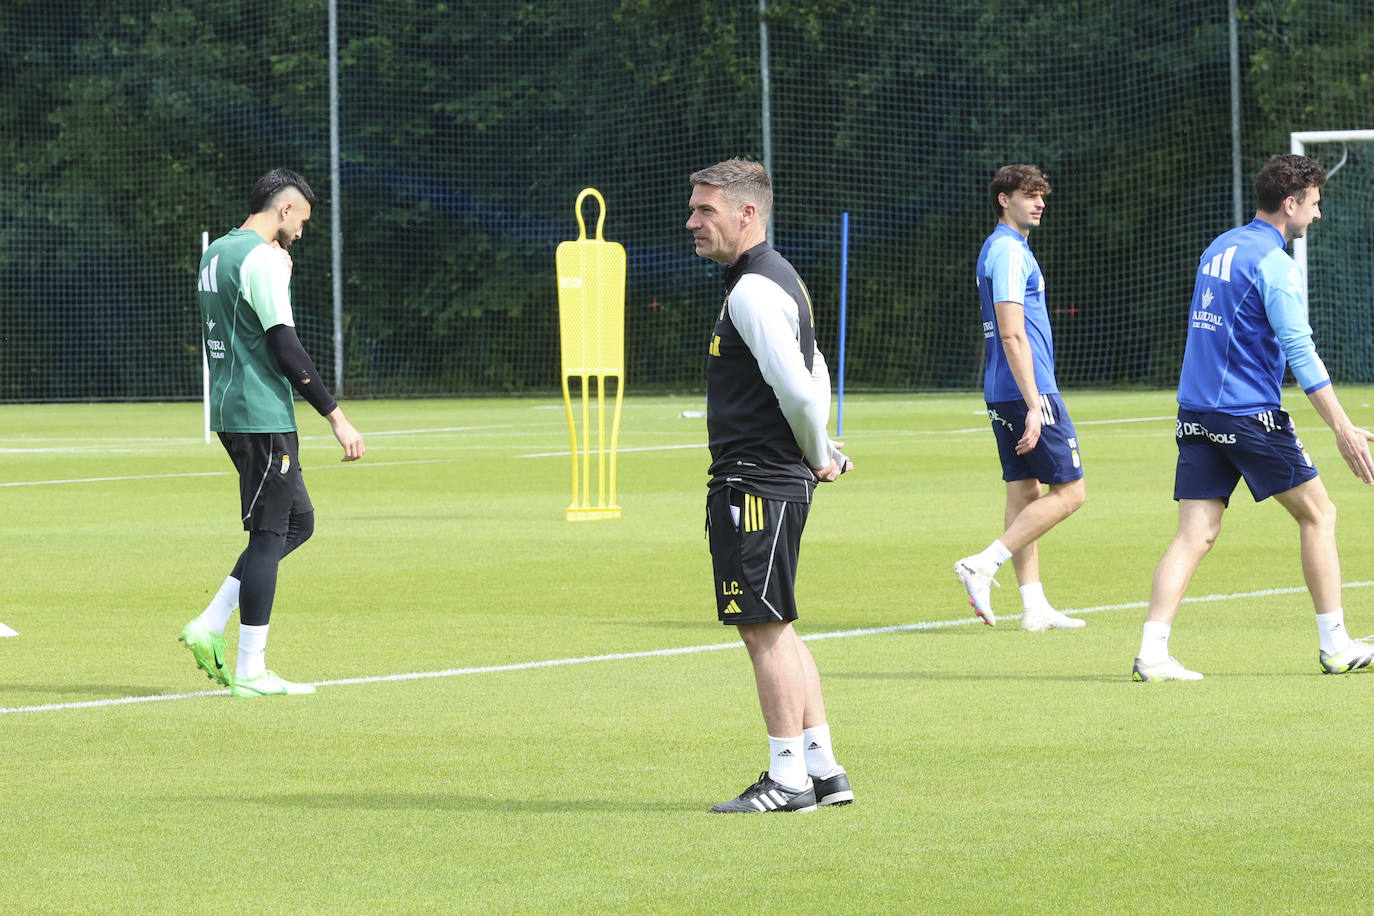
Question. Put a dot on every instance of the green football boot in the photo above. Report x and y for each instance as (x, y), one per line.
(208, 649)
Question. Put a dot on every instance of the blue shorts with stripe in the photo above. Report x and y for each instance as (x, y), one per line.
(1215, 450)
(1054, 459)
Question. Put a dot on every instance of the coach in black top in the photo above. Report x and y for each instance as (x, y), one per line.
(767, 405)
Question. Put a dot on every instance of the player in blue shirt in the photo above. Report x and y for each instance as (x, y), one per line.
(1247, 323)
(1038, 445)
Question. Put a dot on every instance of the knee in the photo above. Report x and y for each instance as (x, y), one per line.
(1078, 495)
(1200, 540)
(1324, 514)
(301, 527)
(761, 638)
(1072, 496)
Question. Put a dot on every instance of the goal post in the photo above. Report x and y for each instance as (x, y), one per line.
(1298, 142)
(1337, 283)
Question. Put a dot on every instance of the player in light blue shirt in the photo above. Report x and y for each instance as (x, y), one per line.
(1036, 441)
(1247, 323)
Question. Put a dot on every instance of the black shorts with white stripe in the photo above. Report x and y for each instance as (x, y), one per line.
(271, 488)
(754, 547)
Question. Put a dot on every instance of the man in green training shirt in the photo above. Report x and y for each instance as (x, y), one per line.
(256, 360)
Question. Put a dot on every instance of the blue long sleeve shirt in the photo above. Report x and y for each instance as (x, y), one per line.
(1247, 323)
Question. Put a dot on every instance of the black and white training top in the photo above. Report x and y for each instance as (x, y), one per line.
(767, 385)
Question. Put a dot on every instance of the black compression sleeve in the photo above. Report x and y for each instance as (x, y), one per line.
(297, 366)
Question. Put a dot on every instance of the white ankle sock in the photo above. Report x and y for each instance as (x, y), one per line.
(1331, 630)
(820, 756)
(1033, 597)
(217, 612)
(1154, 642)
(787, 762)
(252, 652)
(993, 556)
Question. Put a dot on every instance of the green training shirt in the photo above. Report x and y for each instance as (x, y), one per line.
(244, 290)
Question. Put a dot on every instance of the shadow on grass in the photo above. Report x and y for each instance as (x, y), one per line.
(443, 801)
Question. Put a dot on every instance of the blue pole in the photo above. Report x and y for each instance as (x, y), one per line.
(844, 309)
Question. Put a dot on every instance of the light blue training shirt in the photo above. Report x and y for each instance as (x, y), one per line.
(1008, 272)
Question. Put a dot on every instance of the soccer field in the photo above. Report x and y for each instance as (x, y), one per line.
(520, 714)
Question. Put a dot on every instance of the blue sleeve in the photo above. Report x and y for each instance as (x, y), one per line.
(1009, 269)
(1286, 308)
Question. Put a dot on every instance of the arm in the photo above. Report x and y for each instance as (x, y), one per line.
(765, 317)
(1011, 326)
(1281, 286)
(299, 369)
(1351, 440)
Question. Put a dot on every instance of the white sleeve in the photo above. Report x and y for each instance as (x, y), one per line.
(766, 318)
(265, 280)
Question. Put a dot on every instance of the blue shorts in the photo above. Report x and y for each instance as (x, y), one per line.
(1055, 457)
(1215, 450)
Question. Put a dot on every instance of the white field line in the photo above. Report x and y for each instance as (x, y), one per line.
(313, 469)
(406, 432)
(653, 653)
(915, 432)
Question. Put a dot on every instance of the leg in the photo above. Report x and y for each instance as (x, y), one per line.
(780, 675)
(1199, 523)
(814, 712)
(781, 678)
(1042, 514)
(299, 527)
(257, 568)
(1315, 513)
(1020, 495)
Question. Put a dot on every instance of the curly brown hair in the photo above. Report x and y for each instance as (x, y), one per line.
(1287, 175)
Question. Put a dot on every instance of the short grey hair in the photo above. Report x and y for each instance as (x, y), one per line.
(743, 182)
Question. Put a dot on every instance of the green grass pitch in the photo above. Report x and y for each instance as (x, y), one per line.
(995, 770)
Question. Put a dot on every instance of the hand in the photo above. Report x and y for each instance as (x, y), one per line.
(351, 440)
(1353, 443)
(838, 457)
(1031, 437)
(828, 473)
(837, 465)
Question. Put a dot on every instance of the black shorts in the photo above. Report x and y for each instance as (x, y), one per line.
(754, 547)
(271, 488)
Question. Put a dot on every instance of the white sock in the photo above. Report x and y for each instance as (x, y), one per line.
(1331, 630)
(252, 652)
(820, 755)
(216, 613)
(787, 762)
(993, 556)
(1033, 597)
(1154, 642)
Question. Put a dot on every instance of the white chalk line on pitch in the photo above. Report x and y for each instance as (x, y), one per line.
(313, 469)
(653, 653)
(972, 430)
